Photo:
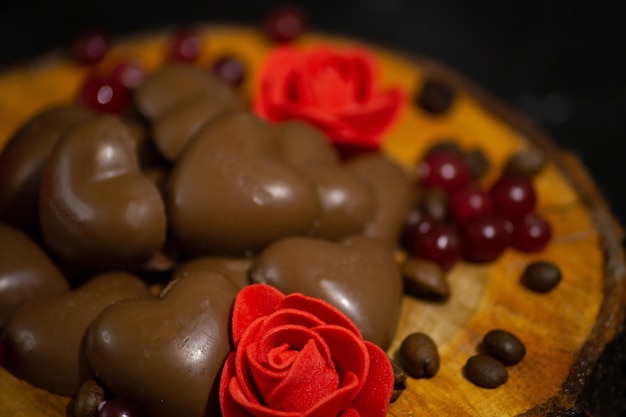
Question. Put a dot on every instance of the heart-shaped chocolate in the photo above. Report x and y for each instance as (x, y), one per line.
(22, 161)
(43, 339)
(231, 191)
(179, 99)
(26, 272)
(358, 276)
(393, 191)
(236, 269)
(96, 207)
(166, 354)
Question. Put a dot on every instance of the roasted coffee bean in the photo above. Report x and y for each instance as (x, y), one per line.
(419, 355)
(399, 382)
(425, 279)
(527, 163)
(435, 97)
(541, 276)
(89, 395)
(485, 371)
(504, 346)
(477, 162)
(434, 203)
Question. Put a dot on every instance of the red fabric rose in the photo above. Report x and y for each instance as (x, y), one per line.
(298, 356)
(334, 89)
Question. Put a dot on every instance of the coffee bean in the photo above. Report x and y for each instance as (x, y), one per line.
(485, 371)
(425, 279)
(527, 163)
(89, 395)
(504, 346)
(541, 276)
(419, 355)
(477, 163)
(399, 382)
(435, 97)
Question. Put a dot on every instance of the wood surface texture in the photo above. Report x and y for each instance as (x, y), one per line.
(565, 331)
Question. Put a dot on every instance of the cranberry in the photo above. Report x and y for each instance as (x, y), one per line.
(444, 169)
(469, 202)
(417, 224)
(119, 407)
(105, 94)
(441, 245)
(186, 45)
(90, 47)
(230, 69)
(284, 24)
(531, 233)
(129, 74)
(513, 196)
(484, 238)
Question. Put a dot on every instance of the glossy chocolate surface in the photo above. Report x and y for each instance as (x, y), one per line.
(96, 207)
(394, 193)
(26, 272)
(44, 338)
(179, 99)
(236, 269)
(22, 161)
(232, 193)
(166, 354)
(359, 276)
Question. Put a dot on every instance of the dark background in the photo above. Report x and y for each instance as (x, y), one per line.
(561, 62)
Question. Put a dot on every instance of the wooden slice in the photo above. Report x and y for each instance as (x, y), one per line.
(565, 331)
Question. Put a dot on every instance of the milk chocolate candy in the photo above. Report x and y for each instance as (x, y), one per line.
(26, 272)
(232, 193)
(97, 209)
(347, 203)
(358, 276)
(179, 99)
(22, 161)
(394, 194)
(166, 354)
(44, 338)
(236, 269)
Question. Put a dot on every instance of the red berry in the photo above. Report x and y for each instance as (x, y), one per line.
(186, 45)
(484, 238)
(469, 202)
(104, 94)
(531, 233)
(513, 196)
(129, 74)
(285, 24)
(444, 169)
(441, 245)
(119, 407)
(230, 69)
(417, 224)
(90, 47)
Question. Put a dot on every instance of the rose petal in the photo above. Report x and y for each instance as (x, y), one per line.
(265, 374)
(326, 312)
(349, 351)
(338, 400)
(229, 406)
(375, 116)
(374, 398)
(252, 302)
(242, 364)
(310, 379)
(238, 405)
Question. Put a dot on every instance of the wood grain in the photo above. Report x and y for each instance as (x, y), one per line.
(564, 331)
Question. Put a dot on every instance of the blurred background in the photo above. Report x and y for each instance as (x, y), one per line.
(561, 62)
